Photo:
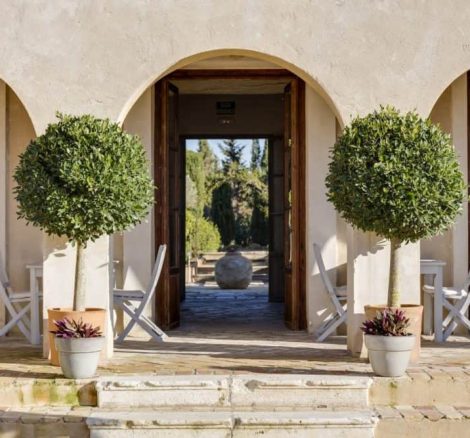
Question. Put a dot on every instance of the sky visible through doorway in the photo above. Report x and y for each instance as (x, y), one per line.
(192, 145)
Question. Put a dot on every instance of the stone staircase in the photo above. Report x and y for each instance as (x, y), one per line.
(423, 404)
(233, 406)
(205, 267)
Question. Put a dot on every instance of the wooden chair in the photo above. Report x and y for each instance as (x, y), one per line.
(338, 297)
(456, 300)
(125, 300)
(18, 305)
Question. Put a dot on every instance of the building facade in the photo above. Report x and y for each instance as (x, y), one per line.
(105, 57)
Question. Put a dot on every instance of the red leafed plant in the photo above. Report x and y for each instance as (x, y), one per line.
(67, 329)
(388, 322)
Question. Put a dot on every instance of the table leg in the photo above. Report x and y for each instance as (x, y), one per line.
(34, 287)
(428, 307)
(438, 334)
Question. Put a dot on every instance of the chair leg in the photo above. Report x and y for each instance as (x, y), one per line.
(130, 325)
(16, 320)
(157, 330)
(145, 323)
(457, 315)
(334, 324)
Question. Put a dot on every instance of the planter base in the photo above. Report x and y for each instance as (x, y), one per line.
(414, 312)
(93, 316)
(79, 356)
(389, 355)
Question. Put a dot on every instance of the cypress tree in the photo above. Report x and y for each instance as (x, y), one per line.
(222, 212)
(232, 152)
(255, 154)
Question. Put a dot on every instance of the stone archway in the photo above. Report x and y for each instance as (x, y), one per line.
(19, 244)
(320, 218)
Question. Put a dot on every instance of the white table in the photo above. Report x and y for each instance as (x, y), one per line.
(433, 270)
(35, 274)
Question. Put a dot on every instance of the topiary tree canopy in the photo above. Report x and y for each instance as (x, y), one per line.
(396, 175)
(83, 178)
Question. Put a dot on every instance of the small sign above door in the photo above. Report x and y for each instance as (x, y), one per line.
(225, 108)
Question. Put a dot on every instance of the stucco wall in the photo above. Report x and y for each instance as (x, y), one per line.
(24, 243)
(450, 112)
(440, 247)
(100, 56)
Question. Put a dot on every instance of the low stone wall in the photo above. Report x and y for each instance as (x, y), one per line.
(20, 392)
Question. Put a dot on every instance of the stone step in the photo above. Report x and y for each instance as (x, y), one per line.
(182, 424)
(252, 255)
(237, 392)
(423, 387)
(210, 277)
(210, 267)
(426, 421)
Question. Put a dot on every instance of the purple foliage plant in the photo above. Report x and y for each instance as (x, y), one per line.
(388, 322)
(67, 329)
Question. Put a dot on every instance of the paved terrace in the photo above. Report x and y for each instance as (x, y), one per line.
(228, 332)
(234, 332)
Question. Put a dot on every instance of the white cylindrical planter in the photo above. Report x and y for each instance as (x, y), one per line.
(389, 355)
(79, 357)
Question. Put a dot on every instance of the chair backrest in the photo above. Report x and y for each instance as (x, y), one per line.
(156, 271)
(325, 278)
(466, 284)
(4, 277)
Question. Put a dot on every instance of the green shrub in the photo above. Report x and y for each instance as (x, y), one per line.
(83, 178)
(201, 234)
(398, 176)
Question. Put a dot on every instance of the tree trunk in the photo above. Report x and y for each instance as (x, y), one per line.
(80, 280)
(394, 279)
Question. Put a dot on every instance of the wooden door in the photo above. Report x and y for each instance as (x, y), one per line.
(294, 205)
(276, 218)
(169, 208)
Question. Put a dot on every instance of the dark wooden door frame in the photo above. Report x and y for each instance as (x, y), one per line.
(161, 178)
(166, 305)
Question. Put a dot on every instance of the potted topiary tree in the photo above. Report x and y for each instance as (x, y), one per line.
(82, 179)
(396, 175)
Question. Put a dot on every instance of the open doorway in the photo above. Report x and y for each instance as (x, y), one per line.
(235, 112)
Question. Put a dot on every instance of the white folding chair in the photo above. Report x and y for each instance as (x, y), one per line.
(124, 299)
(455, 300)
(18, 304)
(338, 296)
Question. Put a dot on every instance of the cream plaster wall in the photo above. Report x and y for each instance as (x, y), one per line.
(24, 241)
(138, 248)
(321, 216)
(3, 182)
(450, 112)
(99, 57)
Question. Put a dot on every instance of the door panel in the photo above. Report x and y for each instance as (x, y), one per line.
(286, 207)
(294, 206)
(169, 209)
(276, 219)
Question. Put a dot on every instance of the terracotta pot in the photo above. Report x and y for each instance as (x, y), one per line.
(91, 315)
(415, 313)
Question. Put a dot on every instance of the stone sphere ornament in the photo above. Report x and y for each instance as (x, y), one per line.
(233, 271)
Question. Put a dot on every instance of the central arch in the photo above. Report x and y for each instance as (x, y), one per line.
(321, 134)
(183, 63)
